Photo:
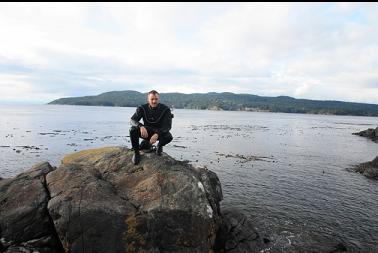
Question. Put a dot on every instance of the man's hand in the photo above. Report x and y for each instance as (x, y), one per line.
(154, 138)
(143, 132)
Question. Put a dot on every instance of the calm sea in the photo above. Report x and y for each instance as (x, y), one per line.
(287, 172)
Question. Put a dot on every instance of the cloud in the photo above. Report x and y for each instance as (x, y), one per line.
(318, 51)
(20, 88)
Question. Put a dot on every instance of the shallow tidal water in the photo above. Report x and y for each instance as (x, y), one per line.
(288, 172)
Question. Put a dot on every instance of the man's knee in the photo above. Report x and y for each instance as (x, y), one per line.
(166, 138)
(169, 137)
(134, 130)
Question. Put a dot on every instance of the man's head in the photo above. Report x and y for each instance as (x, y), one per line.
(153, 98)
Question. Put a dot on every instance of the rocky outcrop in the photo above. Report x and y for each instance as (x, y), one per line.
(98, 201)
(369, 169)
(370, 133)
(25, 223)
(162, 204)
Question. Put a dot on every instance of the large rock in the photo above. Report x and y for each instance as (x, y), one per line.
(369, 169)
(25, 223)
(98, 201)
(101, 202)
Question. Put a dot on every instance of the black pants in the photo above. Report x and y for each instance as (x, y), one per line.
(163, 139)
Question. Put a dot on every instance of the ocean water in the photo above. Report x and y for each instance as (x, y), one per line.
(288, 172)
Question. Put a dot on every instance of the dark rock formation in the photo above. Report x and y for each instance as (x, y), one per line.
(98, 201)
(25, 223)
(237, 234)
(368, 169)
(370, 133)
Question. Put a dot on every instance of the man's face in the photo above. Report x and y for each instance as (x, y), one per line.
(153, 100)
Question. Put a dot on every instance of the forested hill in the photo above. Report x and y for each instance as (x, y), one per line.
(226, 101)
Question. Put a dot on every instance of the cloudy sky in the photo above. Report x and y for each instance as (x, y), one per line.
(325, 51)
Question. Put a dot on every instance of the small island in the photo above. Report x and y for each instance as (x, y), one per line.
(227, 101)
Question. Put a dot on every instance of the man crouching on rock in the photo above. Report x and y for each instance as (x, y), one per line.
(157, 121)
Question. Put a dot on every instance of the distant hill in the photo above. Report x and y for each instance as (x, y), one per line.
(226, 101)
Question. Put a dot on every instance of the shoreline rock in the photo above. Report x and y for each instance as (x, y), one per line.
(24, 219)
(370, 133)
(98, 201)
(368, 169)
(237, 234)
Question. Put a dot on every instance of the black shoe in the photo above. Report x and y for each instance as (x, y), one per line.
(159, 149)
(145, 145)
(136, 157)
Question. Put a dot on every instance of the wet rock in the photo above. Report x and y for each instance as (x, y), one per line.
(327, 244)
(178, 146)
(24, 220)
(339, 248)
(237, 234)
(368, 169)
(370, 133)
(48, 133)
(28, 147)
(243, 159)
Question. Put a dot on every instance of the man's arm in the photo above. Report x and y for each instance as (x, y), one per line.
(166, 123)
(136, 117)
(135, 122)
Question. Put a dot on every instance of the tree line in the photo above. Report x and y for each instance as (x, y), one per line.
(226, 101)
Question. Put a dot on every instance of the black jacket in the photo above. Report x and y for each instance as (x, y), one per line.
(158, 119)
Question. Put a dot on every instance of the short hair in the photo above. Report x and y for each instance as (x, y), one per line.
(154, 92)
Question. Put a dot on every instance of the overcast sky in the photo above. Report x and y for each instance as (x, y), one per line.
(326, 51)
